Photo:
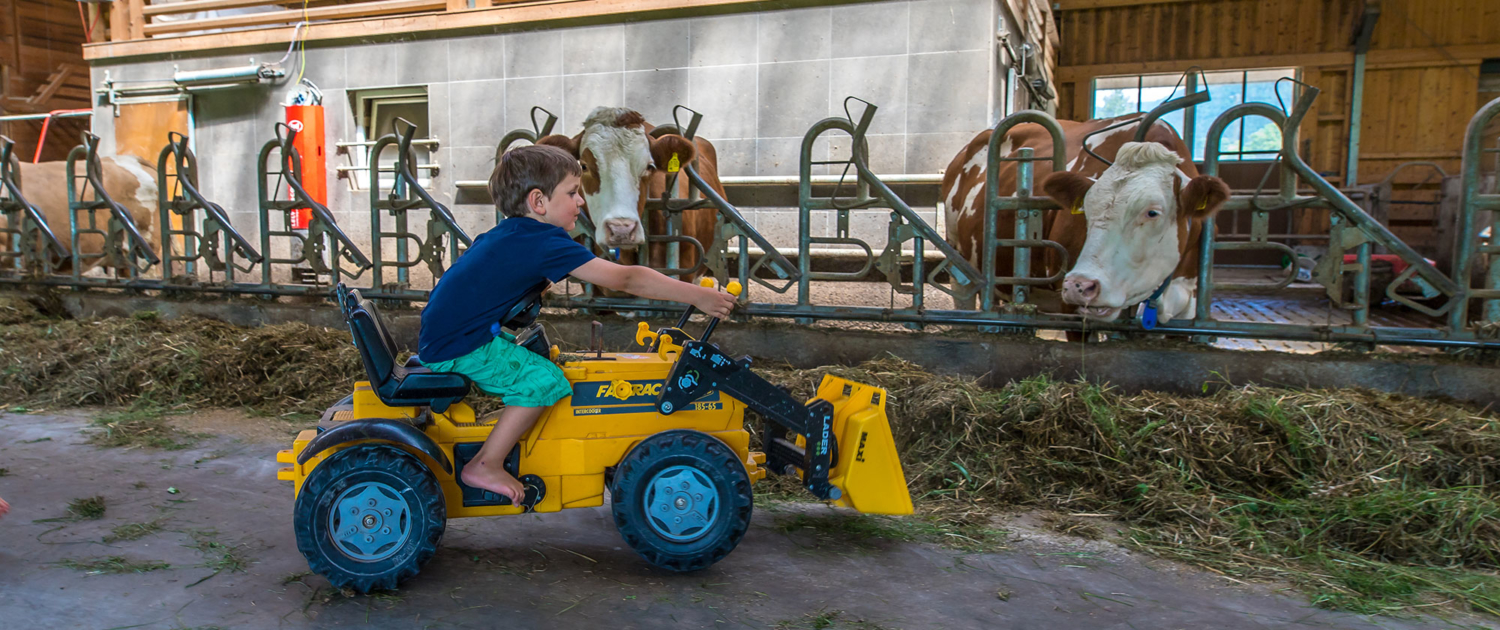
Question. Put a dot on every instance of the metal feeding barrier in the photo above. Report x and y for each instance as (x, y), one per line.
(24, 225)
(217, 244)
(125, 248)
(405, 195)
(914, 259)
(313, 254)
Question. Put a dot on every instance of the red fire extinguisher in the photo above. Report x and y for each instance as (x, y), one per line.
(304, 114)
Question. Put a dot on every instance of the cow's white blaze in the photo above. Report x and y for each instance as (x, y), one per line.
(1128, 252)
(622, 156)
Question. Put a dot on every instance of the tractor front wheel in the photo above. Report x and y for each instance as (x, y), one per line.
(369, 517)
(682, 500)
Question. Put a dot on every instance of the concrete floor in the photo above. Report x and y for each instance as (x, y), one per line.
(566, 570)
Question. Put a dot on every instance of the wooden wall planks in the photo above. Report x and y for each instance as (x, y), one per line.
(1421, 79)
(40, 36)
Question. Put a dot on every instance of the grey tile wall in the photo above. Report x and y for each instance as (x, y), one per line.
(726, 96)
(759, 79)
(796, 35)
(654, 93)
(480, 113)
(864, 30)
(422, 62)
(660, 44)
(792, 96)
(584, 92)
(594, 49)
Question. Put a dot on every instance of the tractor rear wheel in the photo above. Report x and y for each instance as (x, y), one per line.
(369, 517)
(682, 500)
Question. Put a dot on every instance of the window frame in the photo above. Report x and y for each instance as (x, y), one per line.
(1189, 130)
(365, 105)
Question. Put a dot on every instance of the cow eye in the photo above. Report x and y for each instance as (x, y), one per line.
(650, 168)
(1153, 213)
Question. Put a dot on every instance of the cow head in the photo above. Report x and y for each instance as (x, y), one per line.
(619, 159)
(1139, 216)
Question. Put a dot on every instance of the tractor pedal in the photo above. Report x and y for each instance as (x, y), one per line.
(479, 497)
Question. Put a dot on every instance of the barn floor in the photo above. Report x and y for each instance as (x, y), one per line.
(566, 570)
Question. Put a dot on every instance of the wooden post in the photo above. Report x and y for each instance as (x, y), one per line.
(137, 19)
(457, 5)
(119, 20)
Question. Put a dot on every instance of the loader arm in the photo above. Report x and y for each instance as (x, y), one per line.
(702, 368)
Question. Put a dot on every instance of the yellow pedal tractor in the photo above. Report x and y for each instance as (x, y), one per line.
(663, 429)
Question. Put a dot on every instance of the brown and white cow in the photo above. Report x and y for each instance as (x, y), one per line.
(623, 166)
(1127, 227)
(129, 180)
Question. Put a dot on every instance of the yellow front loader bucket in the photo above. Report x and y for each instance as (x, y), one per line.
(867, 470)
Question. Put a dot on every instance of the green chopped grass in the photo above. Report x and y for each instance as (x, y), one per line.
(133, 531)
(140, 427)
(112, 565)
(90, 508)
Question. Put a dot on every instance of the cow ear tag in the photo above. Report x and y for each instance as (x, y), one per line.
(674, 164)
(1078, 208)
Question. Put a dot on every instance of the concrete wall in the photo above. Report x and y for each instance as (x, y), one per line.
(760, 79)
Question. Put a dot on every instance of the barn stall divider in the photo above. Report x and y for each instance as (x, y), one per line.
(912, 243)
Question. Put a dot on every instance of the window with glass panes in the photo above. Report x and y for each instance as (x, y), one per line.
(1249, 138)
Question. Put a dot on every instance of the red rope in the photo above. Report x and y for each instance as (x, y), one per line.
(41, 140)
(88, 29)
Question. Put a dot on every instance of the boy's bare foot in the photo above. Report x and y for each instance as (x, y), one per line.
(4, 507)
(495, 479)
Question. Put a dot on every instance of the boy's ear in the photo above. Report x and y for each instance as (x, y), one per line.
(670, 146)
(1067, 188)
(563, 142)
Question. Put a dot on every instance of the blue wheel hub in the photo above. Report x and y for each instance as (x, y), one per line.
(681, 503)
(370, 521)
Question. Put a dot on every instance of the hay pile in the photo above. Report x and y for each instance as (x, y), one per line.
(15, 310)
(146, 361)
(1374, 501)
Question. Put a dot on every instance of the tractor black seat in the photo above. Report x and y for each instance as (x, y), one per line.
(410, 385)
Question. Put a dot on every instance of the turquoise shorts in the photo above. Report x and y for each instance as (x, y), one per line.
(520, 377)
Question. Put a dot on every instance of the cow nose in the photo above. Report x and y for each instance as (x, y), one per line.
(1080, 289)
(621, 231)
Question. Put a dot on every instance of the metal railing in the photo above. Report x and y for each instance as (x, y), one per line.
(217, 243)
(405, 195)
(913, 259)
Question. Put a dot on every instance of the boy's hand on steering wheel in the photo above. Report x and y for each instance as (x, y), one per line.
(714, 303)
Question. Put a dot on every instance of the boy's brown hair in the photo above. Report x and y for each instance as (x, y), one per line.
(523, 169)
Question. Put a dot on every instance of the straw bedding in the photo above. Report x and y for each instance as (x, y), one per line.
(1372, 501)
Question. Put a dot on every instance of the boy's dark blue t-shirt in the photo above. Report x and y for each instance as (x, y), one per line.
(488, 280)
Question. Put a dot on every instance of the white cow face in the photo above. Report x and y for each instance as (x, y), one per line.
(1138, 215)
(619, 159)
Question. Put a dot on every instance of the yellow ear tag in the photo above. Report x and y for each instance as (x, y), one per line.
(674, 164)
(1078, 208)
(1203, 205)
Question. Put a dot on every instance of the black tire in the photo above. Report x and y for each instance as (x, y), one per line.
(345, 477)
(706, 464)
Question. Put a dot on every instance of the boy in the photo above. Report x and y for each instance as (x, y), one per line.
(537, 188)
